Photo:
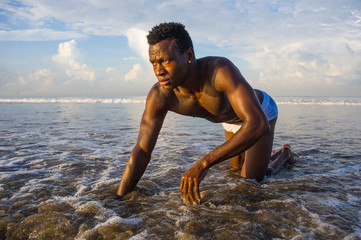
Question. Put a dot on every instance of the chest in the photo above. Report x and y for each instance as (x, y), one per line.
(210, 105)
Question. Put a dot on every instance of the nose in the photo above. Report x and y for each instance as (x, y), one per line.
(159, 69)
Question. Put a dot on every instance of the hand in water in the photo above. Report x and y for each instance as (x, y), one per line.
(189, 186)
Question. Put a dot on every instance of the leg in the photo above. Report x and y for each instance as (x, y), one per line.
(236, 161)
(276, 155)
(258, 156)
(278, 159)
(254, 162)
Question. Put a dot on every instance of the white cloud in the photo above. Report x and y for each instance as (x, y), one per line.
(67, 52)
(43, 77)
(113, 74)
(285, 43)
(129, 58)
(67, 56)
(134, 73)
(36, 82)
(38, 35)
(305, 68)
(111, 70)
(21, 81)
(137, 41)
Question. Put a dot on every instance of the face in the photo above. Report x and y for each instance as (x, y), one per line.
(169, 64)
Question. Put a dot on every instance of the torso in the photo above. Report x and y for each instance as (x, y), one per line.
(215, 107)
(207, 102)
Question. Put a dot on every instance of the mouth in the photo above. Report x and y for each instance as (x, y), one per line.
(164, 82)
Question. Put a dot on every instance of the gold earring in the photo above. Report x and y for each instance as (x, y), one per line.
(189, 61)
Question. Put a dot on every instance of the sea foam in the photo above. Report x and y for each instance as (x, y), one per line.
(74, 100)
(347, 101)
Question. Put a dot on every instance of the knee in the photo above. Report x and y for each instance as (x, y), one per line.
(258, 176)
(269, 171)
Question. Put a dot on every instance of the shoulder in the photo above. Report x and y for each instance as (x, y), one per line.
(224, 74)
(217, 66)
(214, 63)
(158, 98)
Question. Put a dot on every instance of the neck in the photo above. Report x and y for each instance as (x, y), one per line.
(192, 83)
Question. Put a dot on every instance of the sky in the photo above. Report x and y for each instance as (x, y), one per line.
(98, 48)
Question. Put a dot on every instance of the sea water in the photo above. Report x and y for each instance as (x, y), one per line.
(61, 160)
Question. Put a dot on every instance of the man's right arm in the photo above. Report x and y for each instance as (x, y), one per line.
(151, 123)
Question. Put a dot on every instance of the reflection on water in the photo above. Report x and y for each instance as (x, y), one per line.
(61, 164)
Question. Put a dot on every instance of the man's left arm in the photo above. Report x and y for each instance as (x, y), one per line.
(245, 104)
(242, 97)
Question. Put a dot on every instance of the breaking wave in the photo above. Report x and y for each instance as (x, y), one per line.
(74, 100)
(332, 101)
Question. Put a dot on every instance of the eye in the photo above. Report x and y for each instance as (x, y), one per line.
(166, 61)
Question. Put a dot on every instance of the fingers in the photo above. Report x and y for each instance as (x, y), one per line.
(189, 189)
(181, 187)
(198, 196)
(184, 189)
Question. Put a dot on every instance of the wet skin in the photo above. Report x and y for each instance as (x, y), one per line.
(210, 88)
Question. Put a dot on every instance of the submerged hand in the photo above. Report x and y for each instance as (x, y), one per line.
(189, 186)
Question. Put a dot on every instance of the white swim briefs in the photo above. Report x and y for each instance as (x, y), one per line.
(269, 107)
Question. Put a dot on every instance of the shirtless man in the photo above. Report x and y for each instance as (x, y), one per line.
(211, 88)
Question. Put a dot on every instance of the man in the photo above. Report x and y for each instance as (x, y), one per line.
(210, 88)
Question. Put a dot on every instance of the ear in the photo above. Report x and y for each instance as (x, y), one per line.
(190, 54)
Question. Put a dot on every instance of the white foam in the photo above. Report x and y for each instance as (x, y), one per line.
(74, 100)
(6, 175)
(352, 199)
(111, 221)
(339, 101)
(332, 202)
(319, 225)
(353, 236)
(81, 190)
(326, 101)
(140, 236)
(119, 220)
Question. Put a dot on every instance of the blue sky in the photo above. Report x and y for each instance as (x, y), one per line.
(98, 48)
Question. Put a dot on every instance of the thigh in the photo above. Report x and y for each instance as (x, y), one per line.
(238, 160)
(258, 156)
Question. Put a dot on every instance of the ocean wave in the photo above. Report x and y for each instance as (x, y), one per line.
(74, 100)
(337, 101)
(331, 101)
